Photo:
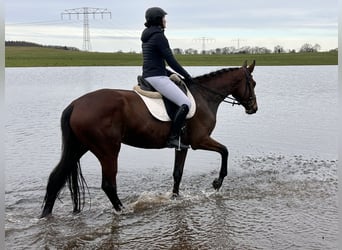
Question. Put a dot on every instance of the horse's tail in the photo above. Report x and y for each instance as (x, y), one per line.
(68, 169)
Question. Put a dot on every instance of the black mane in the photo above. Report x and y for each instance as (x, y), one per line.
(215, 73)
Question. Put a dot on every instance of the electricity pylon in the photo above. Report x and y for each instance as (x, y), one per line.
(86, 11)
(238, 40)
(204, 40)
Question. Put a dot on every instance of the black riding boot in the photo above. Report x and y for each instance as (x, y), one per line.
(176, 127)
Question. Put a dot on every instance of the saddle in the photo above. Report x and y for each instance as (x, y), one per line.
(158, 104)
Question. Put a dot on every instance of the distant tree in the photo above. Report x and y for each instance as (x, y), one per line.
(278, 49)
(30, 44)
(22, 44)
(177, 51)
(244, 50)
(317, 47)
(307, 47)
(264, 50)
(228, 50)
(191, 52)
(218, 51)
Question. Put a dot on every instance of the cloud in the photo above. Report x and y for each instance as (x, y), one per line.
(219, 19)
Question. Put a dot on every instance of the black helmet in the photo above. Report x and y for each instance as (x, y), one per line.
(154, 15)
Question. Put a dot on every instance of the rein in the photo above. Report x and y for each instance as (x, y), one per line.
(232, 101)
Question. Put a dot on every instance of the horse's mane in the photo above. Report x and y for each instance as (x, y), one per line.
(215, 73)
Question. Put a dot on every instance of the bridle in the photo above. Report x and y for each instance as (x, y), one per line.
(232, 100)
(252, 98)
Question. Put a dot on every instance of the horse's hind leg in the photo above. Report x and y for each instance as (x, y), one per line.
(109, 172)
(178, 170)
(67, 168)
(55, 184)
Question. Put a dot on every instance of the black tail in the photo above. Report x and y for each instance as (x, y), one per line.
(68, 169)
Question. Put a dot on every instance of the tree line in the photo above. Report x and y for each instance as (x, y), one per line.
(305, 48)
(30, 44)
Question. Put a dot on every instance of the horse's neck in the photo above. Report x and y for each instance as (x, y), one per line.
(203, 93)
(220, 85)
(227, 82)
(215, 89)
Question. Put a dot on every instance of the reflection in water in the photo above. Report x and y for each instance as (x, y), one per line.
(280, 192)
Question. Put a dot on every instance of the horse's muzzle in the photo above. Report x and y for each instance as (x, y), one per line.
(252, 109)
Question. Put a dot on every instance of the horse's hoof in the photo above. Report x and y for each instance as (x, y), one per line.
(118, 208)
(217, 183)
(76, 211)
(174, 196)
(45, 213)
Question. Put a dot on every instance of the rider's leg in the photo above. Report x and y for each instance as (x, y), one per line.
(168, 89)
(177, 124)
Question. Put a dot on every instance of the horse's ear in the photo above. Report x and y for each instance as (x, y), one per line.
(244, 64)
(251, 67)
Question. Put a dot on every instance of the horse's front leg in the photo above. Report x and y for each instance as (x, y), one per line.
(180, 156)
(212, 145)
(217, 183)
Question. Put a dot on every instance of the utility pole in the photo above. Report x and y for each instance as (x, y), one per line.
(238, 40)
(204, 40)
(86, 11)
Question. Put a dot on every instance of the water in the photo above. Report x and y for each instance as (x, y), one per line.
(280, 193)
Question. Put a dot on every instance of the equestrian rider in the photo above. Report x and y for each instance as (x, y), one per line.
(156, 50)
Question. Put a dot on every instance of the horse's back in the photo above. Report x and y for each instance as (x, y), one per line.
(113, 112)
(101, 96)
(94, 110)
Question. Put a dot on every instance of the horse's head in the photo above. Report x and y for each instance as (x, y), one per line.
(244, 93)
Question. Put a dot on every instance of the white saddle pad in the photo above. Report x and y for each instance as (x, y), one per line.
(157, 108)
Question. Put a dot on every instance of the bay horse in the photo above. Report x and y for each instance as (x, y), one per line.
(100, 121)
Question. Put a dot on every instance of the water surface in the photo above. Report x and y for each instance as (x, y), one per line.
(280, 193)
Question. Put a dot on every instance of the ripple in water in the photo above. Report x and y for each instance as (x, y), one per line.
(266, 202)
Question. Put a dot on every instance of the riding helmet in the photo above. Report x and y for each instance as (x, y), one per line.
(154, 16)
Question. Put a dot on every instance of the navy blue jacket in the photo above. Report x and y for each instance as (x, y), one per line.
(156, 50)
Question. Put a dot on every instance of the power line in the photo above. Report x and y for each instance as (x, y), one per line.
(46, 22)
(85, 12)
(204, 40)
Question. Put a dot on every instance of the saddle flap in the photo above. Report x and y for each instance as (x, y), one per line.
(157, 105)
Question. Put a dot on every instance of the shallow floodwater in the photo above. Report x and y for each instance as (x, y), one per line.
(280, 192)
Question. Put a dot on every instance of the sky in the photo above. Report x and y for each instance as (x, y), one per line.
(190, 24)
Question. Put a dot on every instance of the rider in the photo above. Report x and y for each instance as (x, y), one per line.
(156, 51)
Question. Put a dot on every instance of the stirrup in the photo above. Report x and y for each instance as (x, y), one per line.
(176, 143)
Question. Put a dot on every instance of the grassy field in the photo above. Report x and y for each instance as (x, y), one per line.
(48, 57)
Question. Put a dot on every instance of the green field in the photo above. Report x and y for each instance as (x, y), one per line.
(48, 57)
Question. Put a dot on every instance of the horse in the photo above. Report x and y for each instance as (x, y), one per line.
(100, 121)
